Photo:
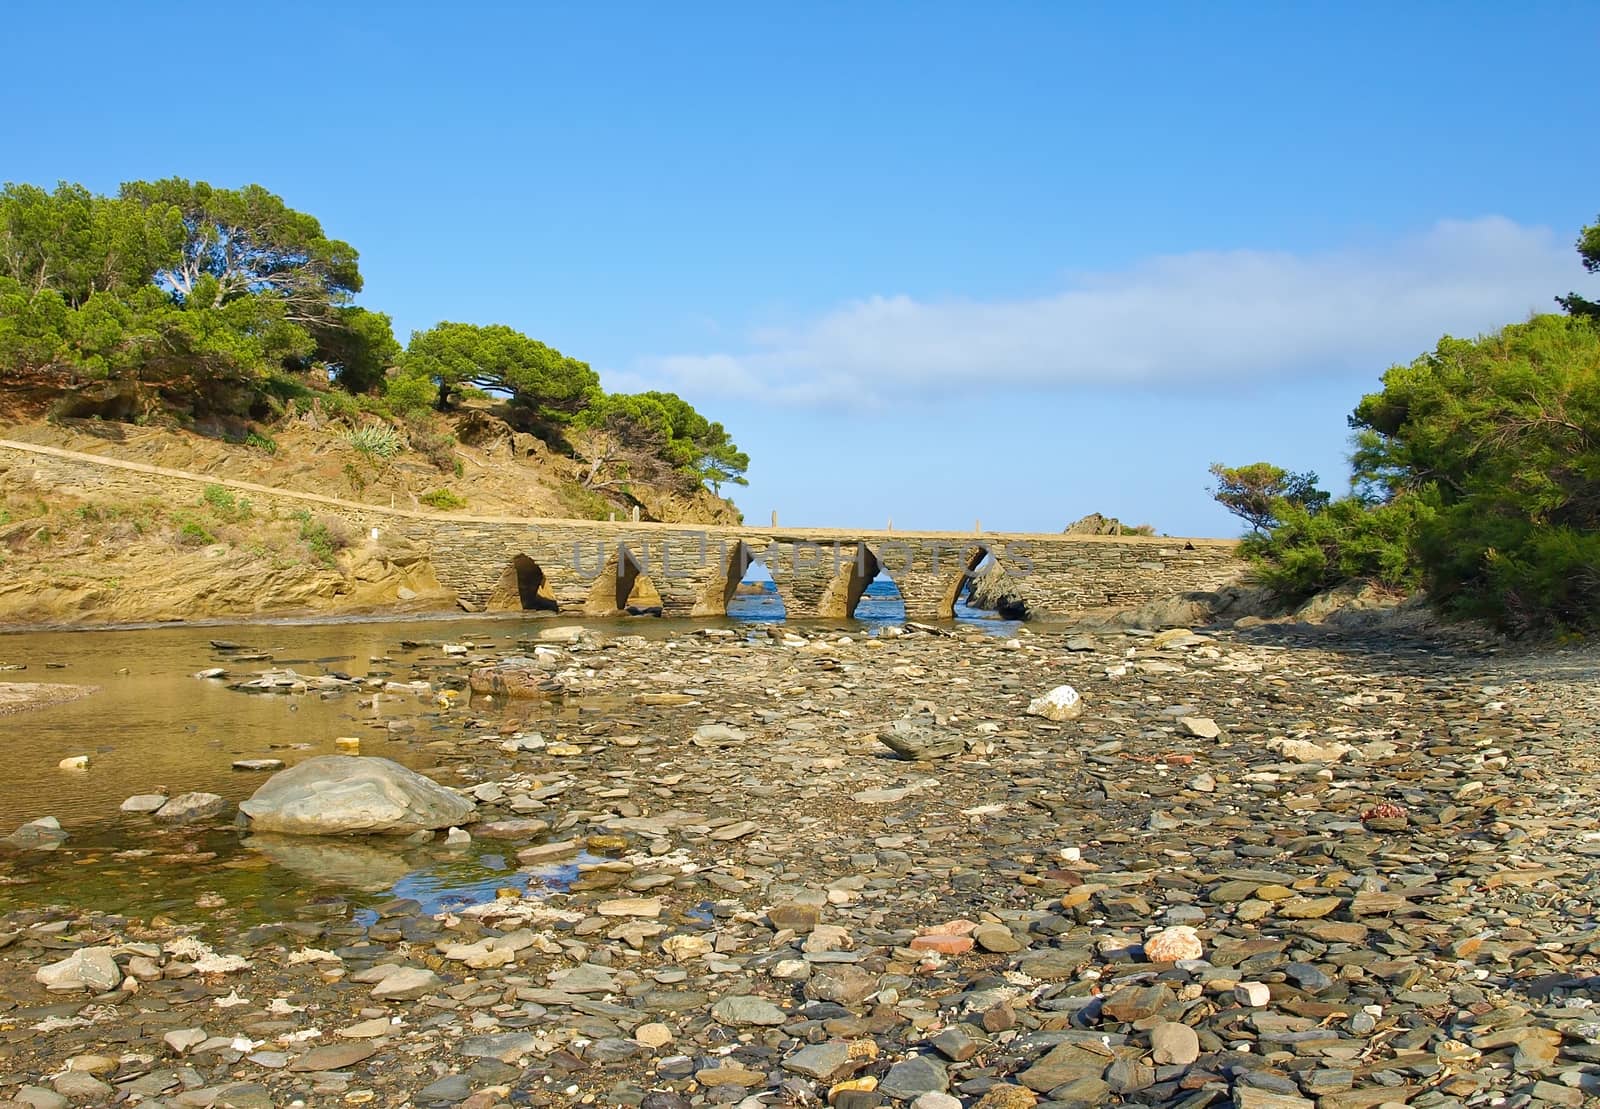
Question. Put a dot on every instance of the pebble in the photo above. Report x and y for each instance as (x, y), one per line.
(188, 808)
(43, 834)
(746, 1011)
(631, 906)
(735, 895)
(144, 802)
(182, 1039)
(80, 1087)
(333, 1057)
(1254, 995)
(654, 1034)
(88, 968)
(1174, 1044)
(911, 1078)
(826, 1062)
(1060, 704)
(1171, 945)
(406, 983)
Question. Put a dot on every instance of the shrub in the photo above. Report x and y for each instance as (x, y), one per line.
(410, 394)
(1348, 539)
(375, 406)
(283, 391)
(1529, 578)
(192, 533)
(1499, 433)
(261, 442)
(317, 540)
(442, 498)
(324, 536)
(225, 505)
(439, 448)
(374, 440)
(137, 515)
(584, 504)
(340, 404)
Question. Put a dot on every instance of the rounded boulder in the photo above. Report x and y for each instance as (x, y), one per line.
(348, 794)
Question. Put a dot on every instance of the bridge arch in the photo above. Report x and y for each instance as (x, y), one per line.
(522, 587)
(644, 599)
(748, 590)
(883, 601)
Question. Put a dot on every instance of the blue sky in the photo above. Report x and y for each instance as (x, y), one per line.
(934, 262)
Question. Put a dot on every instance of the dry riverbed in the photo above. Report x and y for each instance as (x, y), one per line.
(1271, 868)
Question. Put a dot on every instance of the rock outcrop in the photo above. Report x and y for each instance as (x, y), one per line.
(995, 591)
(1197, 609)
(1096, 524)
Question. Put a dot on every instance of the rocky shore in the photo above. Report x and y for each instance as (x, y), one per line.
(1274, 867)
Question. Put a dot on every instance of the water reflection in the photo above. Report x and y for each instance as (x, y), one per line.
(223, 880)
(881, 605)
(366, 865)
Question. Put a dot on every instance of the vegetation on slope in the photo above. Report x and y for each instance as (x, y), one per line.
(1476, 475)
(226, 312)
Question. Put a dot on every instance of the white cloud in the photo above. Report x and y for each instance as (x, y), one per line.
(1202, 316)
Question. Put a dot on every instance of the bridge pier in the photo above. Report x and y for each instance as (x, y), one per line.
(803, 572)
(715, 595)
(687, 575)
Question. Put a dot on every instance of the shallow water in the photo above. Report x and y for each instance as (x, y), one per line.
(155, 727)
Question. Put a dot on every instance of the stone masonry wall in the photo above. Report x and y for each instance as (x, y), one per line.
(690, 566)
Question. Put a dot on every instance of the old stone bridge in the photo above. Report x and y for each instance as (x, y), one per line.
(601, 568)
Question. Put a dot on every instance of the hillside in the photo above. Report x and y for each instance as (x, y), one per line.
(215, 331)
(228, 320)
(77, 556)
(482, 464)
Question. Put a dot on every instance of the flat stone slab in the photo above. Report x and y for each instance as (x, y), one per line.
(258, 764)
(333, 1057)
